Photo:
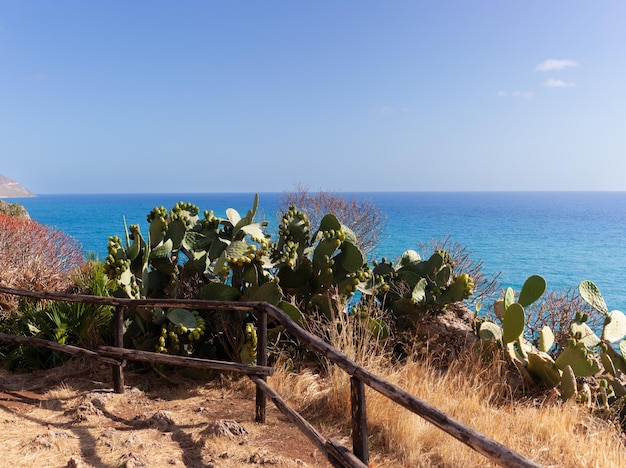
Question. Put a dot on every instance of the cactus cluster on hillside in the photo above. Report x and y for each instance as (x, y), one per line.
(304, 271)
(589, 369)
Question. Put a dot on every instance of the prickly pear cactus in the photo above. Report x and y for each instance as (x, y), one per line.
(313, 266)
(414, 286)
(186, 255)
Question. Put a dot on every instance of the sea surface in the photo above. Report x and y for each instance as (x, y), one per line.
(566, 237)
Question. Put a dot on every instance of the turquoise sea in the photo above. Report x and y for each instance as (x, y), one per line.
(564, 236)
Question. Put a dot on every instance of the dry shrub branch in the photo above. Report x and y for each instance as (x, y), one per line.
(365, 219)
(35, 257)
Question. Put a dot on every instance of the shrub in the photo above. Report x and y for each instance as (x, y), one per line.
(35, 257)
(13, 209)
(363, 217)
(84, 325)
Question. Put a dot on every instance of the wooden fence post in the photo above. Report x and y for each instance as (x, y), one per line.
(359, 419)
(118, 342)
(261, 360)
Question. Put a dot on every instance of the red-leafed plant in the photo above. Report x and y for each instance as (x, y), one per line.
(35, 257)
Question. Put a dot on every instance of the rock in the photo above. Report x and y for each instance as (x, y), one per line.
(161, 420)
(444, 338)
(131, 460)
(226, 428)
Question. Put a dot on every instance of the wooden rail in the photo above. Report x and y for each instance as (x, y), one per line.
(337, 454)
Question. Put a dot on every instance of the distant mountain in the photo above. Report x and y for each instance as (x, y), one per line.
(12, 189)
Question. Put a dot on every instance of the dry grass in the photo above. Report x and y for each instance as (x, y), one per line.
(549, 432)
(469, 390)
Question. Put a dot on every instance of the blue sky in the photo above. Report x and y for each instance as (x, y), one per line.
(347, 95)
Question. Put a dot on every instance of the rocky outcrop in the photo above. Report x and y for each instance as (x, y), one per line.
(12, 189)
(13, 209)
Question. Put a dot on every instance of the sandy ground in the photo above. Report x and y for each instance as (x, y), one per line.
(69, 417)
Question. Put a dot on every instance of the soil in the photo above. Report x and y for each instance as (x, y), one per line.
(69, 416)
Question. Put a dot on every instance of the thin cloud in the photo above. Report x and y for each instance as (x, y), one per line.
(516, 94)
(38, 77)
(554, 83)
(554, 64)
(388, 110)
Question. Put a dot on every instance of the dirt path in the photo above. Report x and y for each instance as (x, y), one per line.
(70, 417)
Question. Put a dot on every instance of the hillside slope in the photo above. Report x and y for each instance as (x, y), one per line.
(12, 189)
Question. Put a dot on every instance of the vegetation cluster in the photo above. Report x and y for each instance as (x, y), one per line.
(563, 347)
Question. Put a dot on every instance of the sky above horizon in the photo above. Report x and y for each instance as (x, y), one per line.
(351, 95)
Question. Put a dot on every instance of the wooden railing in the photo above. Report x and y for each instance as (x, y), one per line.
(336, 453)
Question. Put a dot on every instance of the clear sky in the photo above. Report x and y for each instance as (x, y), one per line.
(346, 95)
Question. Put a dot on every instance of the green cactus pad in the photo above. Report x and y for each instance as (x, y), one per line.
(162, 250)
(581, 363)
(418, 295)
(182, 317)
(461, 288)
(325, 248)
(195, 241)
(176, 232)
(292, 311)
(542, 366)
(582, 332)
(434, 264)
(546, 339)
(164, 265)
(251, 275)
(591, 295)
(254, 230)
(378, 328)
(409, 277)
(239, 249)
(219, 292)
(383, 269)
(217, 248)
(509, 298)
(532, 290)
(443, 276)
(350, 235)
(490, 331)
(614, 326)
(409, 258)
(330, 222)
(607, 363)
(351, 257)
(619, 386)
(513, 323)
(233, 216)
(568, 386)
(126, 278)
(269, 292)
(220, 266)
(135, 247)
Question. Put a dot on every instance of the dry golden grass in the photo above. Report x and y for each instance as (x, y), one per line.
(550, 433)
(469, 390)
